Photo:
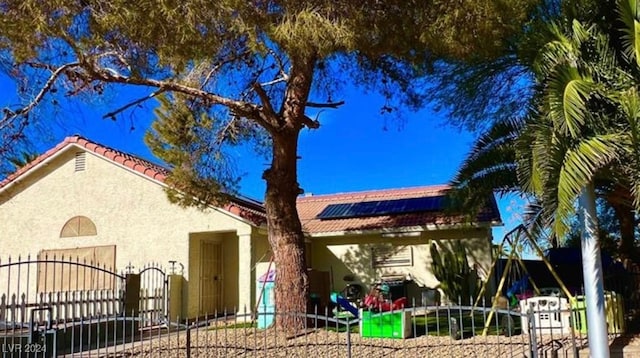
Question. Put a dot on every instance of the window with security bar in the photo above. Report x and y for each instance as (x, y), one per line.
(392, 256)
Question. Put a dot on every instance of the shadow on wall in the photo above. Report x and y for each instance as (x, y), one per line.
(366, 261)
(477, 242)
(359, 261)
(467, 283)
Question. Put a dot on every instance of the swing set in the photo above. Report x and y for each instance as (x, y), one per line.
(520, 234)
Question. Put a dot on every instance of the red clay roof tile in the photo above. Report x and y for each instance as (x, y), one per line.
(245, 209)
(310, 206)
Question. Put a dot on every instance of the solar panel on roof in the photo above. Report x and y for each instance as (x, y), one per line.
(337, 210)
(382, 207)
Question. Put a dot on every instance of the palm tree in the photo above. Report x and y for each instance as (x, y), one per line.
(586, 130)
(583, 131)
(491, 167)
(582, 128)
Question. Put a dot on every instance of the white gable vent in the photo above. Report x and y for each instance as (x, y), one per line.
(81, 161)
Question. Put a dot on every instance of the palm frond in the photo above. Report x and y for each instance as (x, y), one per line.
(558, 50)
(578, 170)
(490, 167)
(580, 33)
(628, 11)
(567, 93)
(493, 148)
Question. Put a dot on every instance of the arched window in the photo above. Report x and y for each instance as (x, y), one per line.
(78, 226)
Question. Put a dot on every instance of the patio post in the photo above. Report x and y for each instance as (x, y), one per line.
(246, 275)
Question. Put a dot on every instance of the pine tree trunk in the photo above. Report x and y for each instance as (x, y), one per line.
(285, 233)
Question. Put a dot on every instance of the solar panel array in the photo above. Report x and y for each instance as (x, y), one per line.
(383, 207)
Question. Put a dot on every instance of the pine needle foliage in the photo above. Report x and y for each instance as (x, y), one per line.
(232, 71)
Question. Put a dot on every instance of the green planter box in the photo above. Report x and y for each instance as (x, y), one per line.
(396, 324)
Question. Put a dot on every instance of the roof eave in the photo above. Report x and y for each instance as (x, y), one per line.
(31, 169)
(69, 145)
(496, 223)
(400, 230)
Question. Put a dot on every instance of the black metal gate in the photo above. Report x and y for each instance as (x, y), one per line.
(154, 302)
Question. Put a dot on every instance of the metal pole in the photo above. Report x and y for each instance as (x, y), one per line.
(592, 271)
(348, 338)
(533, 338)
(188, 341)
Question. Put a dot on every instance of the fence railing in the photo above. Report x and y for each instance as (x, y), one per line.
(61, 306)
(153, 305)
(438, 331)
(74, 288)
(154, 293)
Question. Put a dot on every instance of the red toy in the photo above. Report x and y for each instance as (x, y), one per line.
(375, 300)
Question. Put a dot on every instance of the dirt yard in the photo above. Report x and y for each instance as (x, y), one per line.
(250, 343)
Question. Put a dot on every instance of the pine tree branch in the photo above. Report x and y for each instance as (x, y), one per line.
(9, 115)
(264, 98)
(222, 134)
(310, 123)
(281, 67)
(131, 104)
(221, 64)
(273, 82)
(240, 108)
(325, 105)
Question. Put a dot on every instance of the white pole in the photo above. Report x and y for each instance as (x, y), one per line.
(593, 278)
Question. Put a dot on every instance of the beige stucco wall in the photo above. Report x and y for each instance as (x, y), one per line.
(351, 255)
(128, 209)
(263, 256)
(132, 212)
(228, 277)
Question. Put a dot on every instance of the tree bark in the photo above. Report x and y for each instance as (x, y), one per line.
(285, 231)
(620, 200)
(626, 218)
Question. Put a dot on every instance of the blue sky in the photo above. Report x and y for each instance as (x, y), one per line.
(355, 148)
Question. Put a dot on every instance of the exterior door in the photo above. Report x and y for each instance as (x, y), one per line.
(210, 277)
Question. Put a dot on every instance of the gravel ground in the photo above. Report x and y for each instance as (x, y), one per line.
(316, 344)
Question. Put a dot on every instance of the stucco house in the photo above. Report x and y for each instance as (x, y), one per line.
(84, 198)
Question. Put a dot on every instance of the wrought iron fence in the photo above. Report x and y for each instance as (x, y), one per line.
(543, 329)
(63, 289)
(66, 322)
(154, 297)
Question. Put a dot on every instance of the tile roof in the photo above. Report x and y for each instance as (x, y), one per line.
(246, 208)
(310, 206)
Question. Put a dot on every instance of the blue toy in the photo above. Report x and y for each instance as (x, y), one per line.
(345, 304)
(518, 287)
